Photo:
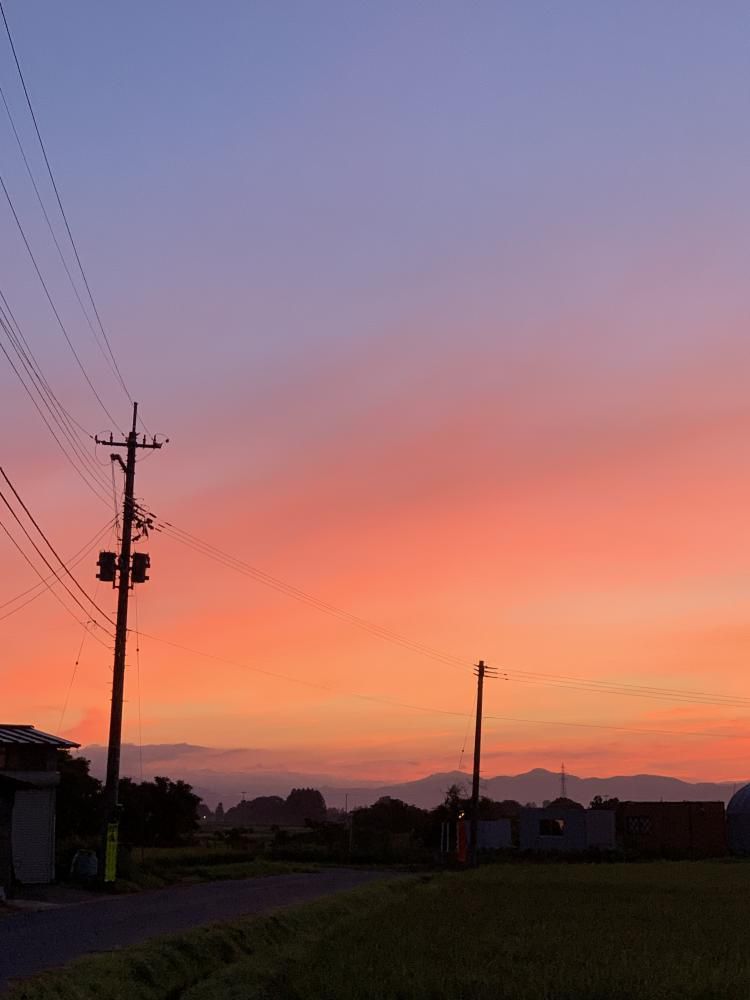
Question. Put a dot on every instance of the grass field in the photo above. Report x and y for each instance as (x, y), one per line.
(156, 867)
(658, 931)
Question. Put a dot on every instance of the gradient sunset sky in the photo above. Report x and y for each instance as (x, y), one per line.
(444, 308)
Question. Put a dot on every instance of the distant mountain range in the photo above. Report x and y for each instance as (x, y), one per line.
(230, 775)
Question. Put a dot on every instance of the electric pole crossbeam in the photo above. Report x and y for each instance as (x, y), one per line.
(132, 444)
(481, 671)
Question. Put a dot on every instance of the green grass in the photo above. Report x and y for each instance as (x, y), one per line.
(658, 931)
(157, 867)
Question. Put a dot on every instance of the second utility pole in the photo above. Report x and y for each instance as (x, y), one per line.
(481, 671)
(111, 787)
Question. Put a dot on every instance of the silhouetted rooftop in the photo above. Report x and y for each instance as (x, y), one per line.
(31, 736)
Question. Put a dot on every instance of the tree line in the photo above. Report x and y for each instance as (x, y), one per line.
(155, 813)
(163, 812)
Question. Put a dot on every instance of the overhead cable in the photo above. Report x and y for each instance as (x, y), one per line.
(44, 559)
(51, 302)
(515, 675)
(35, 591)
(51, 588)
(377, 699)
(60, 206)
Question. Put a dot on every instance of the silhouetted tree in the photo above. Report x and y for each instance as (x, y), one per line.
(219, 814)
(161, 812)
(266, 810)
(599, 802)
(391, 816)
(305, 804)
(507, 809)
(453, 804)
(79, 798)
(563, 803)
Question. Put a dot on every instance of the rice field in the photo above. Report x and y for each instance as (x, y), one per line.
(662, 931)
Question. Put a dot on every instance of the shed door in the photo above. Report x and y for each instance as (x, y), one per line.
(33, 836)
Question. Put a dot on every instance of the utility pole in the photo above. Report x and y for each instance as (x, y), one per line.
(132, 570)
(481, 671)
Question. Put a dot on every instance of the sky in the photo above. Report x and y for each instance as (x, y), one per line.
(443, 310)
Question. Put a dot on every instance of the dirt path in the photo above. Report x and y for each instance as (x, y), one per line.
(32, 942)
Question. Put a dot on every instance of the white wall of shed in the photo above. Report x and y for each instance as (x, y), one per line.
(33, 836)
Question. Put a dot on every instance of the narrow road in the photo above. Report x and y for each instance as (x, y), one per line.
(32, 942)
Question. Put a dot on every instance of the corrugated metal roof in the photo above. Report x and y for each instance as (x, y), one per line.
(27, 735)
(739, 804)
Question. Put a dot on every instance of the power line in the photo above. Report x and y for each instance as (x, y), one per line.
(60, 445)
(516, 675)
(466, 732)
(231, 562)
(41, 555)
(631, 691)
(12, 321)
(73, 676)
(53, 234)
(57, 316)
(618, 729)
(49, 544)
(50, 586)
(81, 460)
(39, 588)
(410, 706)
(60, 205)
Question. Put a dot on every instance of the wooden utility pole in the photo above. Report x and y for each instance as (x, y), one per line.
(481, 671)
(127, 576)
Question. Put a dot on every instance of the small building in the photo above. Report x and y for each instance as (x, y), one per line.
(672, 829)
(564, 829)
(494, 835)
(738, 821)
(28, 781)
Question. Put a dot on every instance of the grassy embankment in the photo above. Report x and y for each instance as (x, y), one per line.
(660, 931)
(156, 867)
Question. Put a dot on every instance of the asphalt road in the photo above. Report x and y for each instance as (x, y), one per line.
(32, 942)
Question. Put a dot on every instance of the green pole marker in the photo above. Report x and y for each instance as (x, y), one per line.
(110, 860)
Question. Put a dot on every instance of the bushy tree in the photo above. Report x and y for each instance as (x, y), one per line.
(561, 803)
(265, 810)
(390, 815)
(453, 804)
(599, 802)
(161, 812)
(305, 805)
(79, 810)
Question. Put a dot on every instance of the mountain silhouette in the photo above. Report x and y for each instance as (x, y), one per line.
(229, 775)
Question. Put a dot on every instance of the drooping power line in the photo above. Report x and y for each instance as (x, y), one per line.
(52, 549)
(516, 675)
(60, 206)
(377, 699)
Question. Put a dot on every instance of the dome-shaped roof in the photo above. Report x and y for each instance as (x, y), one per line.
(739, 804)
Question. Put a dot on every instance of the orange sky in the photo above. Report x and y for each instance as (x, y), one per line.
(461, 352)
(606, 545)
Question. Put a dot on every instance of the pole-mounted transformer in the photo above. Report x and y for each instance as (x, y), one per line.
(141, 562)
(130, 569)
(107, 564)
